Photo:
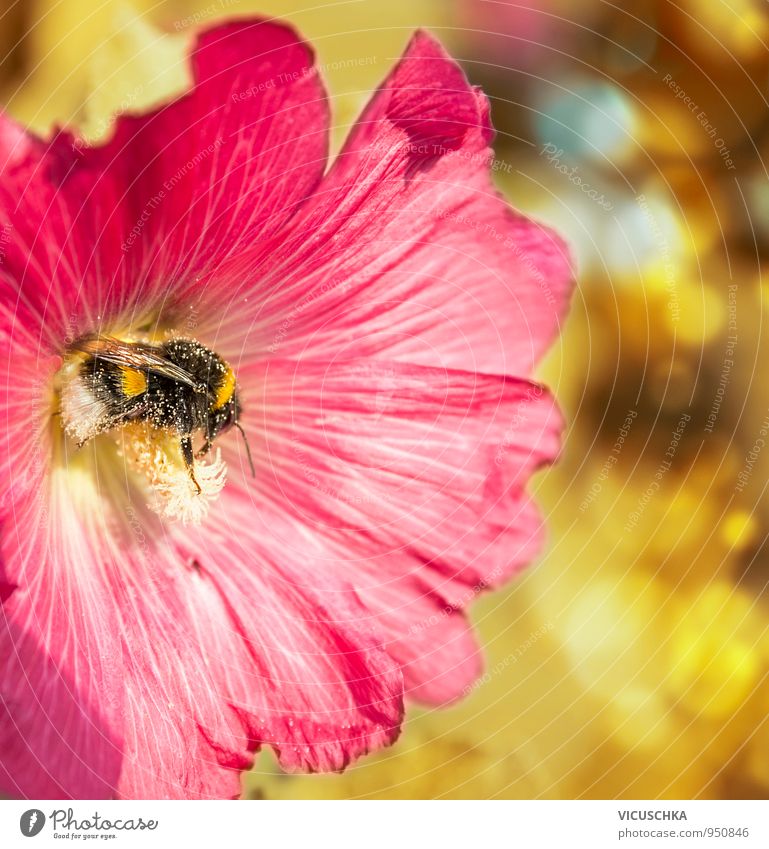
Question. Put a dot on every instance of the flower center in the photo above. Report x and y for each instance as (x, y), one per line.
(155, 454)
(151, 400)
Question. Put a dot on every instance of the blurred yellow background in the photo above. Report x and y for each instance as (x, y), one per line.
(632, 660)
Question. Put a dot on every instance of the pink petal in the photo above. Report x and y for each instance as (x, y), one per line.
(129, 227)
(311, 680)
(151, 662)
(239, 649)
(255, 127)
(148, 660)
(429, 637)
(406, 248)
(415, 479)
(59, 730)
(57, 240)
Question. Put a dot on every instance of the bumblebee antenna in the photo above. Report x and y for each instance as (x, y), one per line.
(248, 449)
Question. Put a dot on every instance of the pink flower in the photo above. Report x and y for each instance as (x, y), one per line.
(381, 316)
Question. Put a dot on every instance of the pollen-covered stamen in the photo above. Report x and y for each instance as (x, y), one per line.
(156, 455)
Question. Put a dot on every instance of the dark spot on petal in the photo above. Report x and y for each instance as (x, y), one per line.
(6, 590)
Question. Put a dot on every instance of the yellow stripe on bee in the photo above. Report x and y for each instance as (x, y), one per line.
(225, 390)
(132, 382)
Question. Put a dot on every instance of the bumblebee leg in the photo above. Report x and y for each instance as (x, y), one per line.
(189, 460)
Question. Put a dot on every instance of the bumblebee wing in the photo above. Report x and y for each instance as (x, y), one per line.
(133, 355)
(86, 412)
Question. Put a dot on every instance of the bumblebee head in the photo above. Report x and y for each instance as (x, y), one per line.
(223, 416)
(224, 411)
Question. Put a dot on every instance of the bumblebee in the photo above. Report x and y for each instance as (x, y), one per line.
(177, 385)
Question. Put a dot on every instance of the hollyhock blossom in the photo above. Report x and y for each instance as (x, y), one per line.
(381, 315)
